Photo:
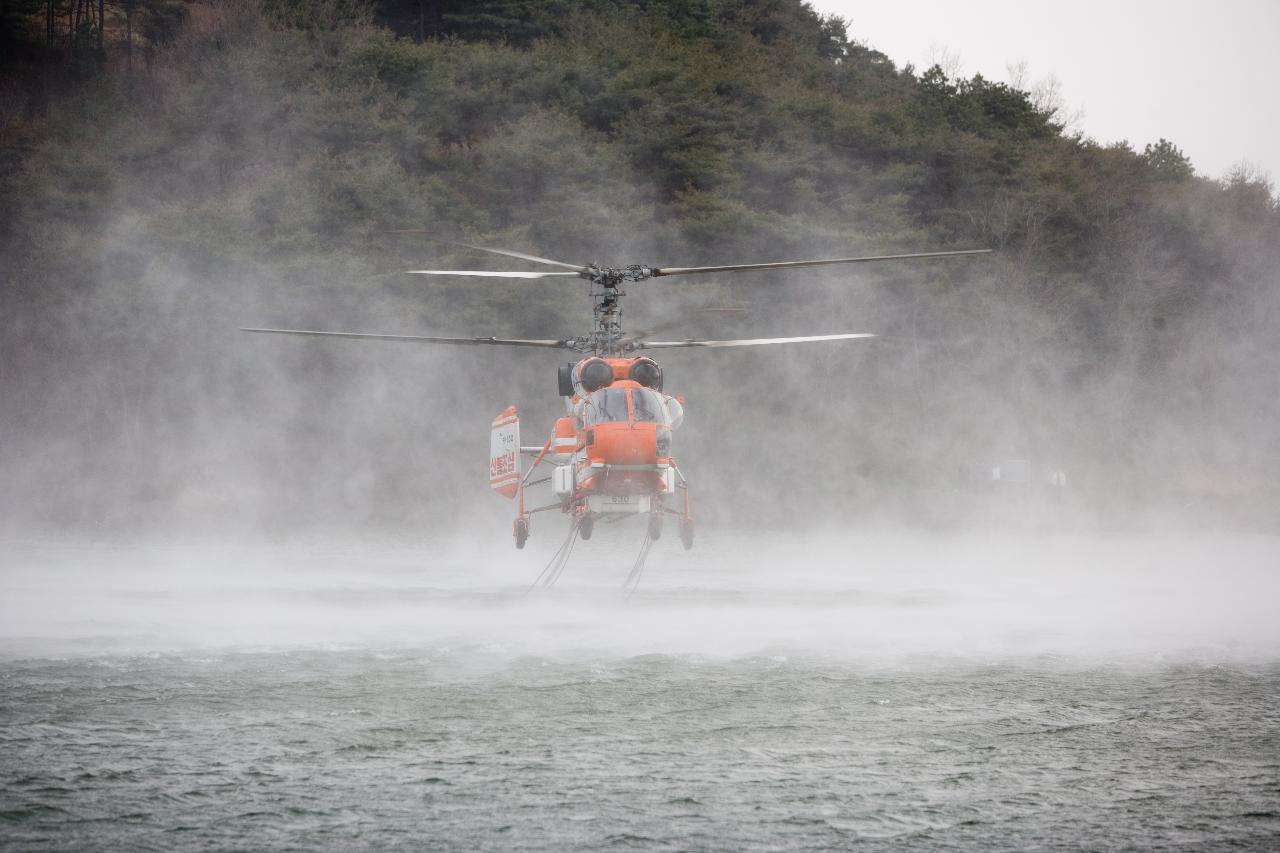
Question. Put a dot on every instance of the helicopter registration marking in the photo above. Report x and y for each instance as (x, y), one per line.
(618, 503)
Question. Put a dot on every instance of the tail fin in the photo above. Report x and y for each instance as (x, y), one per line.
(504, 453)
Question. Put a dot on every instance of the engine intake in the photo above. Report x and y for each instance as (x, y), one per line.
(594, 374)
(646, 372)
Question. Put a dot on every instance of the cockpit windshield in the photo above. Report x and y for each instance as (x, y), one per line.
(647, 405)
(608, 405)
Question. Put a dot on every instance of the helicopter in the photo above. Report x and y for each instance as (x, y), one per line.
(610, 454)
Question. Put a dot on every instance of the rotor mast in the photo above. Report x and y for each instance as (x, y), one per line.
(608, 339)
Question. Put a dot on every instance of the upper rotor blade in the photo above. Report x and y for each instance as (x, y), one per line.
(420, 339)
(748, 342)
(507, 252)
(495, 273)
(814, 263)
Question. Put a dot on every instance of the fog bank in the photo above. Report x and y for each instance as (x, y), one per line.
(866, 600)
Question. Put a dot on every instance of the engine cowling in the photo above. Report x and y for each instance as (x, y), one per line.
(646, 373)
(594, 374)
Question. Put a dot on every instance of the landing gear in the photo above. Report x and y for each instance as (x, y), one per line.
(655, 525)
(587, 525)
(521, 532)
(686, 533)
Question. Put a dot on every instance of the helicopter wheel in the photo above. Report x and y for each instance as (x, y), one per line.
(655, 525)
(521, 532)
(686, 533)
(587, 526)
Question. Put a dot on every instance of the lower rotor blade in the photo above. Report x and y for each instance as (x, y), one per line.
(749, 342)
(635, 338)
(507, 252)
(495, 273)
(815, 263)
(421, 339)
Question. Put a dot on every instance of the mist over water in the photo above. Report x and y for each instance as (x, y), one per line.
(798, 691)
(854, 598)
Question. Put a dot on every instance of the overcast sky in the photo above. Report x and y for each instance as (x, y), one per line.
(1201, 74)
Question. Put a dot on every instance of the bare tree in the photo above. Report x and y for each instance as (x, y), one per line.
(947, 59)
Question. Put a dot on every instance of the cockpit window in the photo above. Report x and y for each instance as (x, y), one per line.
(646, 405)
(608, 405)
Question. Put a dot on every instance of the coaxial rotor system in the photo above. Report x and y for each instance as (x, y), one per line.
(608, 337)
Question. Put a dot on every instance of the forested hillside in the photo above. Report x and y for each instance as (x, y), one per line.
(188, 168)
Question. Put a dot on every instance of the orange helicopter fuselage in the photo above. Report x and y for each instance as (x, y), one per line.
(622, 457)
(610, 452)
(622, 433)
